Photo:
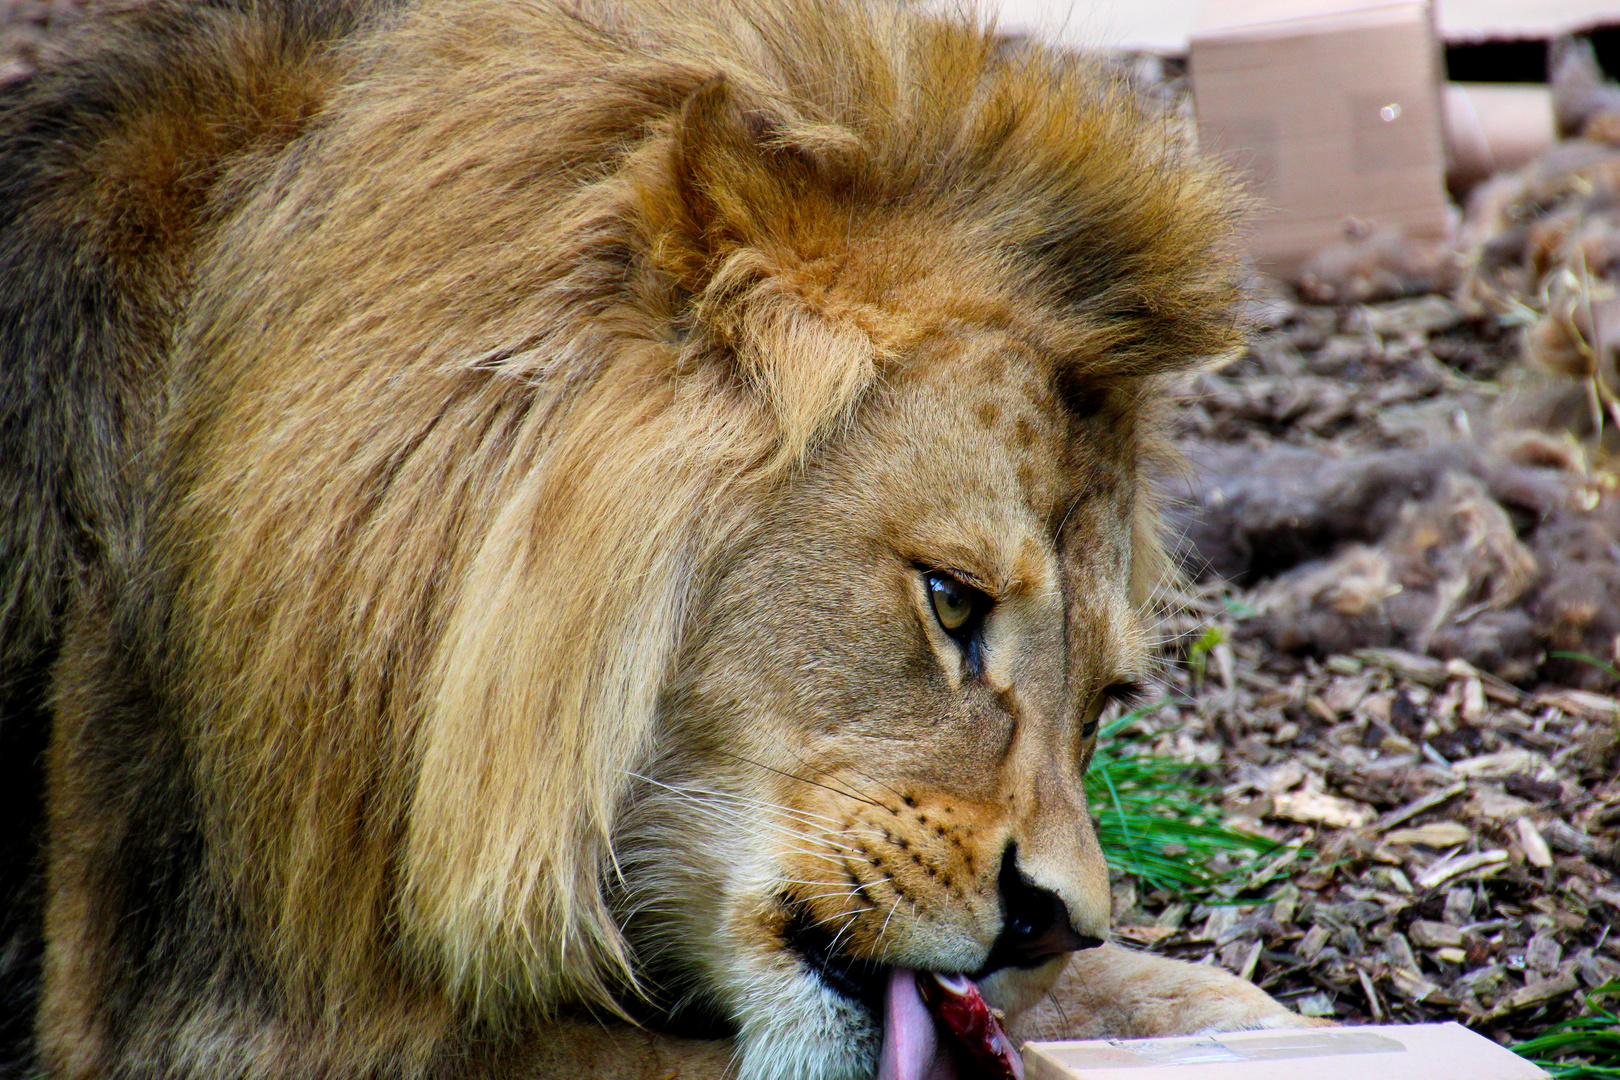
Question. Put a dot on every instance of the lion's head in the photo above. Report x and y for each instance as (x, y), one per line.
(658, 506)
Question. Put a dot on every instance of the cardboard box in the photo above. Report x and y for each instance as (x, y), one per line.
(1166, 26)
(1333, 110)
(1522, 20)
(1150, 26)
(1493, 126)
(1393, 1052)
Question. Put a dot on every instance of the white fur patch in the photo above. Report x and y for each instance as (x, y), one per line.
(794, 1028)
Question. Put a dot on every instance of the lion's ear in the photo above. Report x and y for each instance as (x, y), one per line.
(746, 225)
(746, 174)
(713, 168)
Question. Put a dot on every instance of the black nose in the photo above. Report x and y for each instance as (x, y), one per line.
(1035, 924)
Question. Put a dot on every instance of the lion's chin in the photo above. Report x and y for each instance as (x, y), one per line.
(793, 1025)
(1012, 990)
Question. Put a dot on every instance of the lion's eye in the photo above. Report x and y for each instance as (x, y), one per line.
(953, 603)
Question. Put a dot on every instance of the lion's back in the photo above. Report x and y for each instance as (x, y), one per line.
(109, 161)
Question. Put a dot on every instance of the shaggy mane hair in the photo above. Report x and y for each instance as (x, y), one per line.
(554, 295)
(479, 349)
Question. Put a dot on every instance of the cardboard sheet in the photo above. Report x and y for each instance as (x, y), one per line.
(1332, 110)
(1389, 1052)
(1153, 26)
(1492, 126)
(1468, 21)
(1166, 26)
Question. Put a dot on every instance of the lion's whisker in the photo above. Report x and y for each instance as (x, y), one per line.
(878, 782)
(849, 921)
(852, 793)
(884, 929)
(768, 828)
(804, 816)
(804, 780)
(699, 797)
(837, 856)
(694, 791)
(844, 893)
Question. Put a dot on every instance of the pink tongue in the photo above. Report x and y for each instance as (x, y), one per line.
(910, 1050)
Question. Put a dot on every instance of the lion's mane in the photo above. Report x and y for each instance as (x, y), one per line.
(482, 365)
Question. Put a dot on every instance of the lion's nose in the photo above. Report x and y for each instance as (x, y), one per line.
(1035, 924)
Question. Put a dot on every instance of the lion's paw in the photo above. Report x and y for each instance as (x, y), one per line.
(1113, 992)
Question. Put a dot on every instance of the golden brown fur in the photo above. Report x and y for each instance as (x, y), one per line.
(529, 612)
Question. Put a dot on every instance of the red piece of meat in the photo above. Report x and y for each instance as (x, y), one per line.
(959, 1008)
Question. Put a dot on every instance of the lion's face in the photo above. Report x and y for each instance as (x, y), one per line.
(874, 749)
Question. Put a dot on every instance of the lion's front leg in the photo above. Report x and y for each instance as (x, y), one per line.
(568, 1048)
(1114, 992)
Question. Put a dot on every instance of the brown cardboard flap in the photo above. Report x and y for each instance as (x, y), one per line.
(1156, 26)
(1504, 20)
(1285, 18)
(1390, 1052)
(1166, 26)
(1494, 126)
(1331, 113)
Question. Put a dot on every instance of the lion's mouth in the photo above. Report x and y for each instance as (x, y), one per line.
(861, 981)
(913, 1008)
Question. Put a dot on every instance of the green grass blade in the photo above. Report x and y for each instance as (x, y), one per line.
(1586, 1047)
(1153, 825)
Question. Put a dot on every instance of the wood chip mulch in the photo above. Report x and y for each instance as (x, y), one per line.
(1449, 840)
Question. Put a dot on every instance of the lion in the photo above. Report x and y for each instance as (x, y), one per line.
(562, 539)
